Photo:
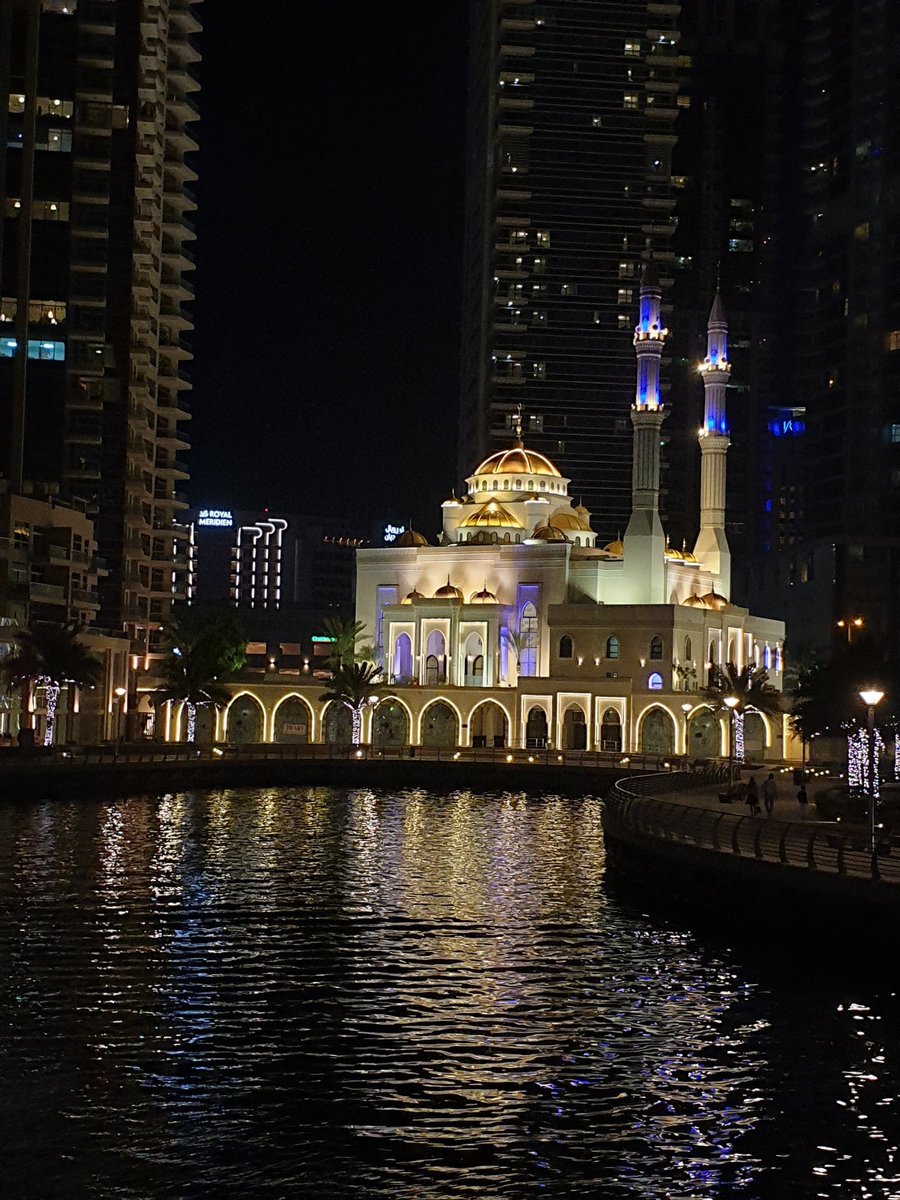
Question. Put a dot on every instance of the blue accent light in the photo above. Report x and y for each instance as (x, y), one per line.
(768, 506)
(723, 426)
(787, 427)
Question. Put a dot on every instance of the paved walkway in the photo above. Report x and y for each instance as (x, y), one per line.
(786, 806)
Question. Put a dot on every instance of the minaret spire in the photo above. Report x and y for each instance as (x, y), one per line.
(644, 540)
(712, 545)
(518, 427)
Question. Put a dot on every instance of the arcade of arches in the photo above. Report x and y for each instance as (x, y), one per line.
(480, 718)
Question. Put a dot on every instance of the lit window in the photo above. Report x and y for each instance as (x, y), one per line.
(569, 289)
(683, 101)
(612, 647)
(656, 648)
(625, 295)
(596, 121)
(623, 321)
(632, 49)
(740, 245)
(539, 370)
(892, 340)
(895, 433)
(48, 351)
(540, 266)
(543, 238)
(655, 682)
(861, 232)
(626, 270)
(630, 100)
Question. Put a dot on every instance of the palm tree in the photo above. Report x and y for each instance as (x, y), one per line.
(345, 637)
(751, 688)
(51, 655)
(352, 685)
(204, 650)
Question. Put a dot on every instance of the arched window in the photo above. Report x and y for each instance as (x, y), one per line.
(612, 647)
(494, 486)
(528, 640)
(687, 649)
(565, 646)
(732, 657)
(712, 653)
(518, 485)
(473, 670)
(779, 661)
(435, 662)
(611, 731)
(767, 657)
(656, 647)
(403, 659)
(655, 682)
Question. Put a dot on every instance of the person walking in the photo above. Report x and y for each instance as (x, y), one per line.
(802, 798)
(751, 797)
(768, 794)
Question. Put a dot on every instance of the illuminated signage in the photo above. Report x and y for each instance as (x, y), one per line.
(787, 427)
(215, 518)
(392, 532)
(319, 638)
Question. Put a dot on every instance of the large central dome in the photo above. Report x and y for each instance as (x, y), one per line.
(517, 461)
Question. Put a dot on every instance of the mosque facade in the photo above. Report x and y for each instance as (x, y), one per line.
(517, 629)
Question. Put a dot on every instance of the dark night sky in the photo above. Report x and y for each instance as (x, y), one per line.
(329, 255)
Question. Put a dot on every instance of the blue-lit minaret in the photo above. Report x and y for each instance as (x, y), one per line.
(712, 545)
(645, 543)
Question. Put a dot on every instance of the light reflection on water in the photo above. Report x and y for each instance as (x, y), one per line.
(323, 994)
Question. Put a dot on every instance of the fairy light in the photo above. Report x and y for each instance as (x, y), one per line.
(739, 735)
(858, 760)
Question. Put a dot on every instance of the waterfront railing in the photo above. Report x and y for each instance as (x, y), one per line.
(172, 753)
(634, 812)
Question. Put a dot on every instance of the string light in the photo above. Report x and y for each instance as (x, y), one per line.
(858, 760)
(739, 735)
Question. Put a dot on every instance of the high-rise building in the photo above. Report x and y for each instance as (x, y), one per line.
(94, 177)
(838, 571)
(572, 110)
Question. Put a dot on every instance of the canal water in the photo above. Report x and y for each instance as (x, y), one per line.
(329, 994)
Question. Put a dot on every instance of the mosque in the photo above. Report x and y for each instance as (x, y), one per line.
(518, 630)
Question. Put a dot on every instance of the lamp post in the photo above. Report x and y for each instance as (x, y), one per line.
(870, 698)
(686, 708)
(732, 702)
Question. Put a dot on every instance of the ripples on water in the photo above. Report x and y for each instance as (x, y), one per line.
(341, 994)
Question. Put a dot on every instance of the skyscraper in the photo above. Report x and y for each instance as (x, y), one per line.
(572, 108)
(93, 258)
(840, 569)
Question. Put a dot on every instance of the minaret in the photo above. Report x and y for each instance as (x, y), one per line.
(645, 543)
(712, 545)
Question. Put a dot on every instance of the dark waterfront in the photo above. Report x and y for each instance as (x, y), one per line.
(283, 993)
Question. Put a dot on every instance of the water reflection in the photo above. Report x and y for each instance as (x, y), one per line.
(313, 993)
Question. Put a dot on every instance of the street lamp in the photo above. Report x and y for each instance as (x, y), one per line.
(870, 698)
(732, 702)
(686, 708)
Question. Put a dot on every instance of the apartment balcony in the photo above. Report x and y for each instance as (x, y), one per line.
(85, 597)
(47, 593)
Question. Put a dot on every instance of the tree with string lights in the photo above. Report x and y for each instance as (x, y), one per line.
(50, 656)
(750, 687)
(203, 651)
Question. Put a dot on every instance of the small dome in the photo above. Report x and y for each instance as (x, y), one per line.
(615, 547)
(483, 597)
(410, 596)
(548, 533)
(670, 553)
(491, 515)
(569, 521)
(694, 602)
(448, 592)
(411, 538)
(714, 601)
(517, 461)
(686, 556)
(582, 512)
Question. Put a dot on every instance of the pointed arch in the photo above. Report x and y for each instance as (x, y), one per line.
(656, 731)
(293, 720)
(491, 721)
(245, 719)
(392, 722)
(439, 724)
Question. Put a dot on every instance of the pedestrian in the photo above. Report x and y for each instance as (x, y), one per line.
(751, 796)
(802, 798)
(768, 794)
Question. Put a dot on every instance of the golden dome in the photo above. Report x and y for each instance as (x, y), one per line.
(568, 520)
(714, 601)
(448, 592)
(582, 512)
(411, 538)
(410, 596)
(549, 533)
(615, 547)
(694, 602)
(483, 597)
(670, 553)
(491, 515)
(686, 556)
(517, 461)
